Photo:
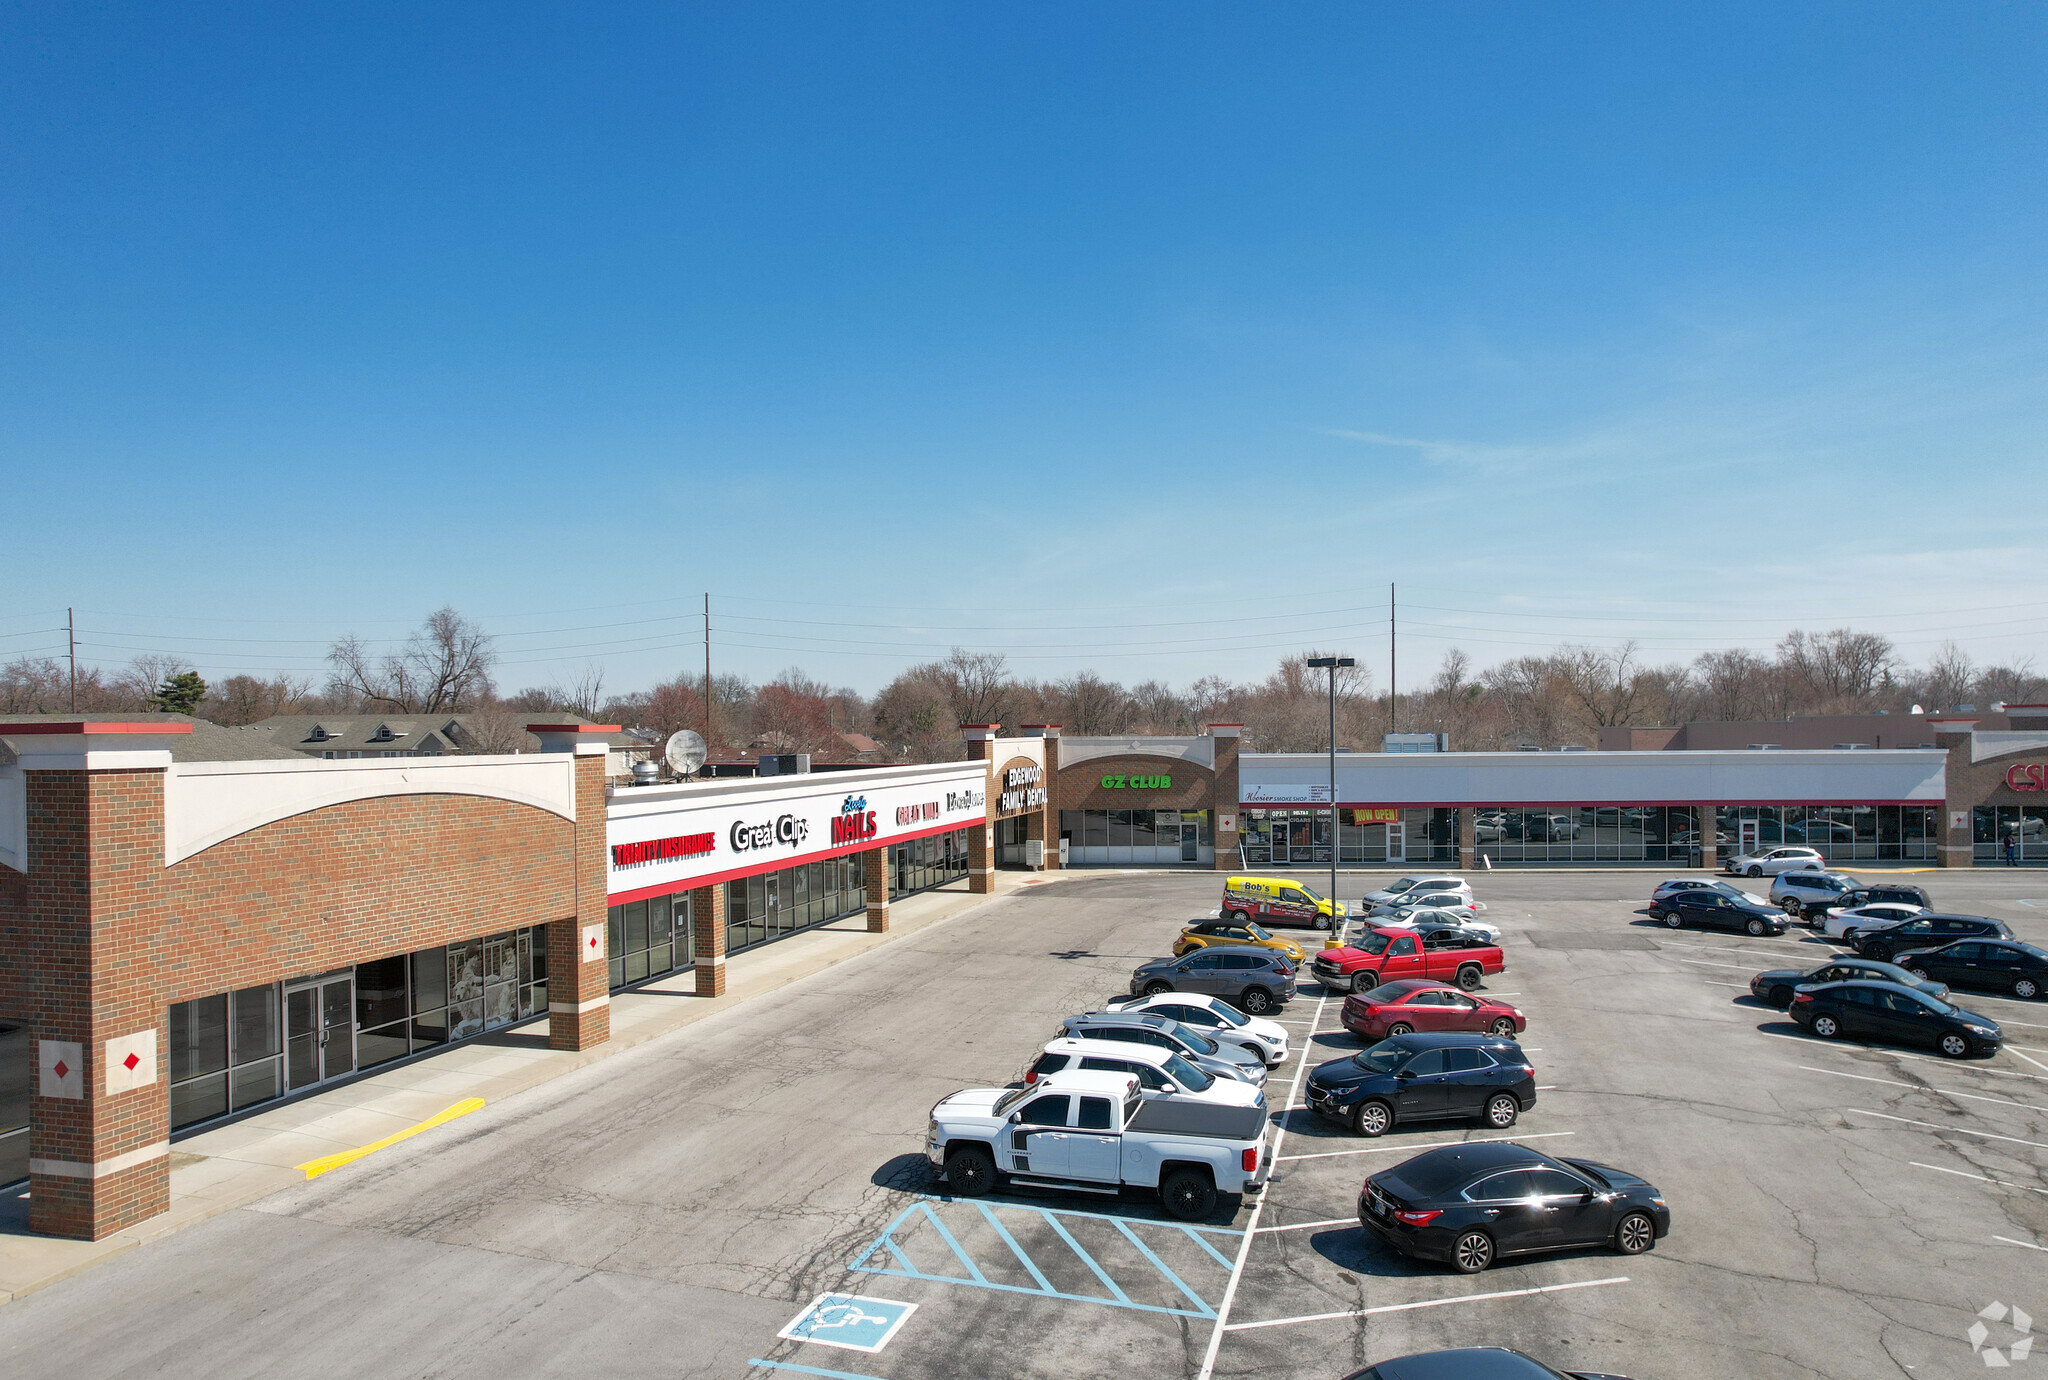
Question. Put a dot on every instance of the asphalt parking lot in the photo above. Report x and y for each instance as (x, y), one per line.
(1838, 1210)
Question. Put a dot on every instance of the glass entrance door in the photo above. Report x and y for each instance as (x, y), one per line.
(772, 916)
(1283, 838)
(320, 1031)
(1190, 841)
(1397, 842)
(1750, 834)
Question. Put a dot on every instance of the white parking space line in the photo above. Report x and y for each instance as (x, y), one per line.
(1921, 1087)
(1709, 963)
(1950, 1130)
(2035, 1062)
(1428, 1303)
(1432, 1145)
(1958, 1065)
(1978, 1177)
(1743, 985)
(1311, 1226)
(2028, 1244)
(1546, 1087)
(1251, 1226)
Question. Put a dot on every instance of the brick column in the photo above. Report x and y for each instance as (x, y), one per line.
(981, 865)
(86, 958)
(981, 871)
(1707, 825)
(1956, 846)
(579, 967)
(1045, 824)
(1468, 837)
(707, 923)
(876, 861)
(1228, 738)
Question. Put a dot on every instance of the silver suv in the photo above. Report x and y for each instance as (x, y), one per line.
(1138, 1028)
(1797, 892)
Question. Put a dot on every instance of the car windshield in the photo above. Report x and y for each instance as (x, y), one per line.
(1372, 943)
(1398, 887)
(1196, 1040)
(1010, 1099)
(1385, 992)
(1381, 1058)
(1257, 932)
(1227, 1016)
(1310, 892)
(1186, 1074)
(1726, 890)
(2036, 951)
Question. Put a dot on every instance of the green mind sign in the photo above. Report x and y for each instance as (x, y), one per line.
(1137, 783)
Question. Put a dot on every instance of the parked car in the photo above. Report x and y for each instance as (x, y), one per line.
(1423, 884)
(1887, 893)
(1887, 942)
(1992, 965)
(1469, 1205)
(1142, 1028)
(1160, 1072)
(1205, 934)
(1898, 1015)
(1381, 955)
(1714, 910)
(1548, 828)
(1678, 884)
(1775, 986)
(1769, 862)
(1096, 1131)
(1412, 1004)
(1425, 1078)
(1278, 901)
(1794, 892)
(1471, 1363)
(1449, 904)
(1216, 1018)
(1432, 920)
(1256, 979)
(1838, 923)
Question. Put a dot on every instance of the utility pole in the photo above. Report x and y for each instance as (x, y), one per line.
(1391, 695)
(71, 630)
(708, 740)
(1331, 663)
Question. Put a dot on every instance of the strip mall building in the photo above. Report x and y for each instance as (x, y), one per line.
(186, 935)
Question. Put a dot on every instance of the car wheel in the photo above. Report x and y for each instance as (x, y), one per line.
(1238, 917)
(1501, 1111)
(1755, 871)
(1187, 1194)
(1400, 1028)
(1825, 1027)
(971, 1171)
(1372, 1119)
(1153, 989)
(1916, 970)
(1755, 926)
(1781, 996)
(1256, 1001)
(1673, 920)
(1955, 1046)
(1635, 1234)
(1502, 1029)
(1322, 922)
(2026, 988)
(1791, 906)
(1472, 1253)
(1469, 977)
(1881, 953)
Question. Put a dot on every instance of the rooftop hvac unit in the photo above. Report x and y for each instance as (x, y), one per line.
(1852, 747)
(782, 764)
(1766, 747)
(646, 773)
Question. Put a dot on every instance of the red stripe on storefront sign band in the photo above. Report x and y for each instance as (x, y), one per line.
(753, 869)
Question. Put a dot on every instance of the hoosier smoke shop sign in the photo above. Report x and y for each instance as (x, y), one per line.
(684, 842)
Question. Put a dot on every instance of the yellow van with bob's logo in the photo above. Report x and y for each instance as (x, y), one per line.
(1279, 901)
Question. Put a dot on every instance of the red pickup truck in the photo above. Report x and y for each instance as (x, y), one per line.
(1382, 955)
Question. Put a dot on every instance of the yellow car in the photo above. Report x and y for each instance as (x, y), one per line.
(1206, 934)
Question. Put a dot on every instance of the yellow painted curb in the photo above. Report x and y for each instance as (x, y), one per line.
(315, 1168)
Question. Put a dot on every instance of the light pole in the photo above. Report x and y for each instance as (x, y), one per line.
(1330, 664)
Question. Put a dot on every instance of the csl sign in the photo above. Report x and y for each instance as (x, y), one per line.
(2027, 776)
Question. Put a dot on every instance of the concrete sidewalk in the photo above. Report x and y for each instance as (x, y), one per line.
(236, 1164)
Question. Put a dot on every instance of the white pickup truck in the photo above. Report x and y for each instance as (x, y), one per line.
(1096, 1132)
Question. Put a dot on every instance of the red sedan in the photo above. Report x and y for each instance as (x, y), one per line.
(1409, 1004)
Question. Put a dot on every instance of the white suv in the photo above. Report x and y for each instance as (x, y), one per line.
(1411, 889)
(1769, 862)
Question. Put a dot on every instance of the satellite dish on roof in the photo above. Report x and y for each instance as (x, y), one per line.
(685, 752)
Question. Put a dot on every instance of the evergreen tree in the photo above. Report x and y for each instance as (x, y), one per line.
(179, 694)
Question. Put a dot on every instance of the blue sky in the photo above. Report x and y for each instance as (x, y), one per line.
(1153, 338)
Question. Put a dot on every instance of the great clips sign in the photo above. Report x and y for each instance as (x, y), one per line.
(671, 839)
(2027, 776)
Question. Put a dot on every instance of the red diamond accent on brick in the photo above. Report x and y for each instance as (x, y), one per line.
(130, 1062)
(61, 1069)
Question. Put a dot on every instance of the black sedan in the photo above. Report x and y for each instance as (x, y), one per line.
(1472, 1363)
(1469, 1205)
(1425, 1077)
(1899, 1015)
(1886, 942)
(1774, 988)
(1994, 965)
(1718, 910)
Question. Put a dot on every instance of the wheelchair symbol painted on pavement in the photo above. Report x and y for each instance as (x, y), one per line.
(856, 1322)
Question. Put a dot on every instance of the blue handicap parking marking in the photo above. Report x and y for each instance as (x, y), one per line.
(857, 1322)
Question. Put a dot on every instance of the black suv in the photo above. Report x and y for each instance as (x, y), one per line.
(1926, 932)
(1879, 895)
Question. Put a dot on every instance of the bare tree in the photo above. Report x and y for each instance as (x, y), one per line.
(140, 679)
(981, 685)
(2019, 683)
(1607, 686)
(582, 695)
(1949, 677)
(1839, 669)
(1092, 705)
(240, 700)
(445, 666)
(495, 727)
